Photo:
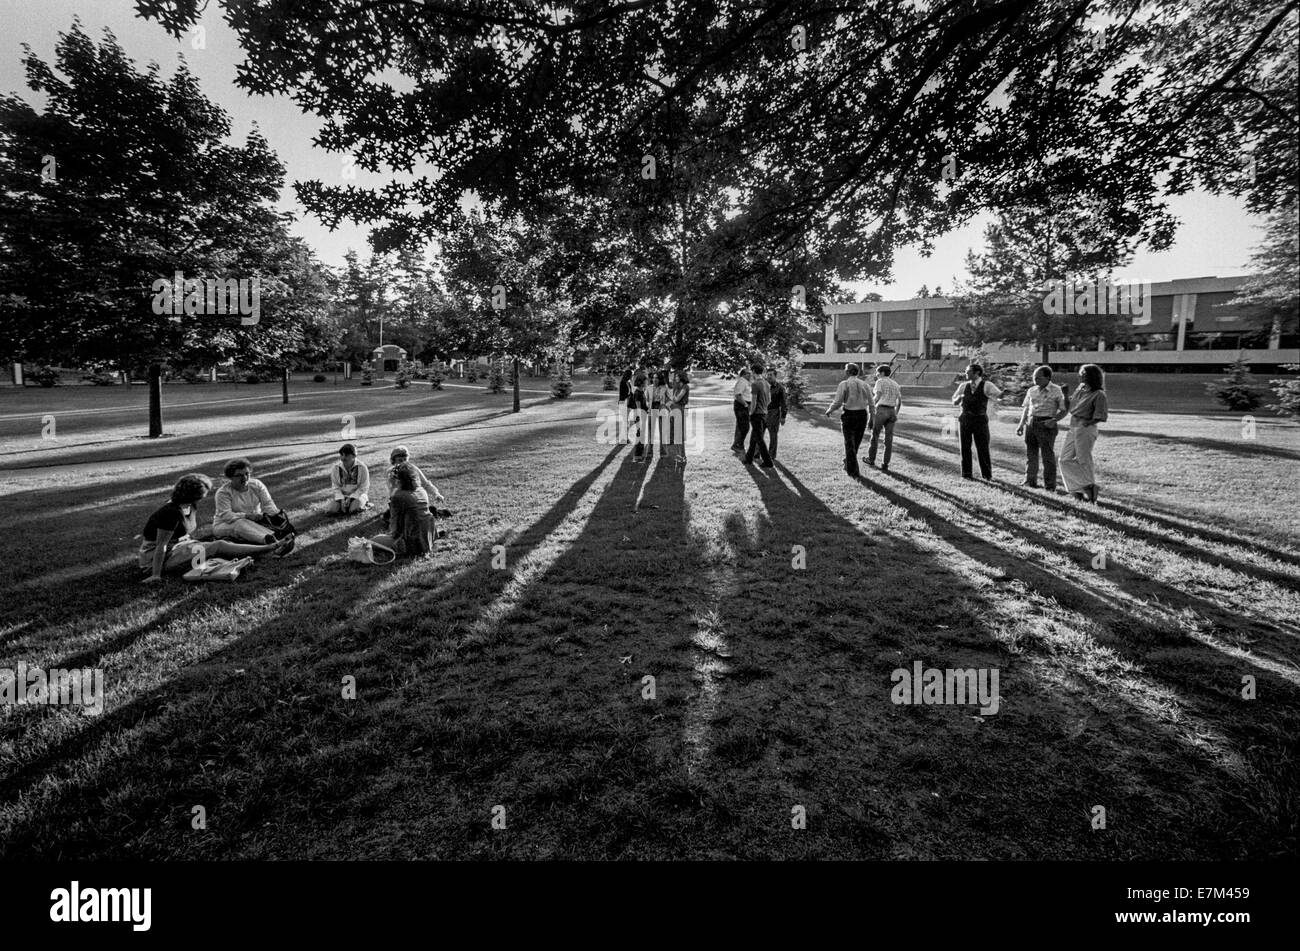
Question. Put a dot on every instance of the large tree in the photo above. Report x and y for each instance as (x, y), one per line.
(122, 180)
(509, 289)
(790, 140)
(1026, 253)
(1273, 291)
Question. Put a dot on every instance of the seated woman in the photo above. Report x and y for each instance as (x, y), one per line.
(167, 547)
(245, 510)
(402, 455)
(411, 527)
(350, 481)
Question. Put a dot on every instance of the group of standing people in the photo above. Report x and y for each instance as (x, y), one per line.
(866, 404)
(877, 404)
(654, 402)
(761, 408)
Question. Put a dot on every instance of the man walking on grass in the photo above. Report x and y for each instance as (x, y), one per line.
(740, 404)
(889, 400)
(760, 397)
(855, 397)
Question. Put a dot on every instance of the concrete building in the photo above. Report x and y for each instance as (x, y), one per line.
(1191, 321)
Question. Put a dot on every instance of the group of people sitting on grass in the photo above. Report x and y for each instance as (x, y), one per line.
(654, 401)
(878, 403)
(248, 524)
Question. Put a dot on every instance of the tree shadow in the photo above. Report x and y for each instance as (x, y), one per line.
(1117, 569)
(1098, 515)
(206, 700)
(1245, 448)
(481, 686)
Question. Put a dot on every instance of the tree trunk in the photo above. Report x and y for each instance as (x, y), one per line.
(284, 384)
(516, 376)
(1047, 352)
(155, 400)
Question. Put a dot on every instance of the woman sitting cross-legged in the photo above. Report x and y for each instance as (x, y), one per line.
(350, 481)
(167, 547)
(402, 455)
(410, 526)
(245, 509)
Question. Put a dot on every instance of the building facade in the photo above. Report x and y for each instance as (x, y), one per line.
(1182, 322)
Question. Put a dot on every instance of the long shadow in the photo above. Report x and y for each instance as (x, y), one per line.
(170, 711)
(1117, 570)
(1098, 516)
(1148, 512)
(118, 583)
(277, 428)
(876, 620)
(480, 686)
(1119, 626)
(1244, 448)
(1170, 520)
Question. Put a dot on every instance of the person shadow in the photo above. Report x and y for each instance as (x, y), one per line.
(226, 695)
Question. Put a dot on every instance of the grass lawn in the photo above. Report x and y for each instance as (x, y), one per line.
(523, 686)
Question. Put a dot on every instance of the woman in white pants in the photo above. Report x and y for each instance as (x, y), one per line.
(1087, 409)
(244, 507)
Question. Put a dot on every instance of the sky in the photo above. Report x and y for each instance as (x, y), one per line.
(1215, 236)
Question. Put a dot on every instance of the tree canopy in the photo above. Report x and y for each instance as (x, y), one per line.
(122, 180)
(784, 143)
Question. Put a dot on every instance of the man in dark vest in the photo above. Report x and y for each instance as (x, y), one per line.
(973, 397)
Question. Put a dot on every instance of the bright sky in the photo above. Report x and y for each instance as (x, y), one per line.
(1215, 237)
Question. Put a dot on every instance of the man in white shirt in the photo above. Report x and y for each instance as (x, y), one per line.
(741, 396)
(1044, 407)
(855, 397)
(889, 400)
(973, 397)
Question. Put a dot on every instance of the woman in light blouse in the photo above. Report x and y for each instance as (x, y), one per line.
(1087, 409)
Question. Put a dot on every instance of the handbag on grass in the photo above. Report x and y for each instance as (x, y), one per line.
(218, 569)
(363, 550)
(279, 524)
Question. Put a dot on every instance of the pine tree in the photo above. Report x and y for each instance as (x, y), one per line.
(561, 382)
(1017, 383)
(1287, 392)
(1237, 390)
(496, 378)
(794, 379)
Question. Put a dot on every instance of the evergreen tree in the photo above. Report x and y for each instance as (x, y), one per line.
(1287, 393)
(794, 379)
(561, 379)
(1237, 390)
